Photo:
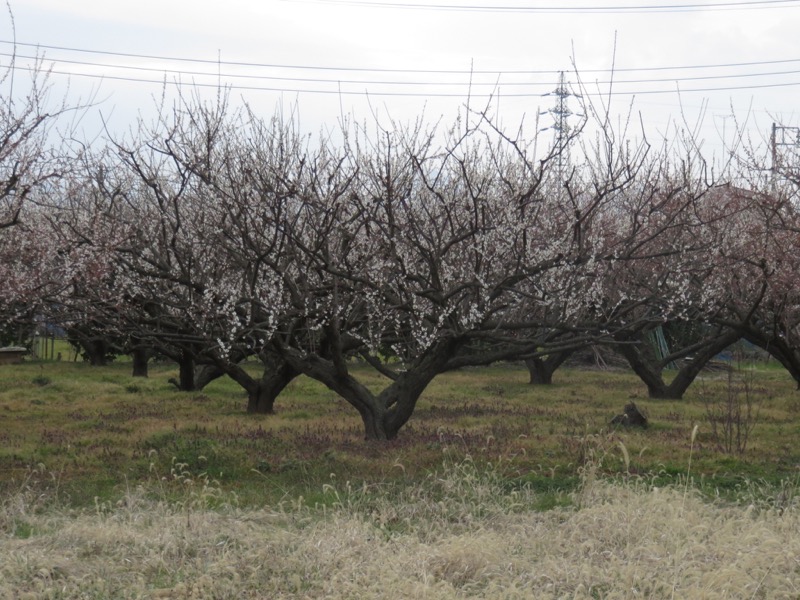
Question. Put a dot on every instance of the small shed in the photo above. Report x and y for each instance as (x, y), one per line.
(12, 355)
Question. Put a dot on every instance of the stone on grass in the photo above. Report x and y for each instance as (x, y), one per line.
(631, 417)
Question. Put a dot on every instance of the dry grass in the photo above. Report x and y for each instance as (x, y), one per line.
(459, 533)
(194, 499)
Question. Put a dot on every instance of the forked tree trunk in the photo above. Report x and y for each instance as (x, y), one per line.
(205, 374)
(373, 413)
(541, 369)
(650, 371)
(261, 397)
(692, 367)
(375, 428)
(384, 414)
(261, 392)
(646, 369)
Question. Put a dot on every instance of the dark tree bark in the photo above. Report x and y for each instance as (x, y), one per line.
(191, 376)
(186, 364)
(541, 369)
(205, 374)
(693, 365)
(691, 360)
(385, 413)
(140, 356)
(645, 369)
(262, 392)
(96, 345)
(96, 351)
(201, 374)
(261, 400)
(777, 347)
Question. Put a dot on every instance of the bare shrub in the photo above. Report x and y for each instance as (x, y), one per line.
(733, 414)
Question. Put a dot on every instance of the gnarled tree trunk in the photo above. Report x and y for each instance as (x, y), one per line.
(383, 414)
(541, 369)
(650, 369)
(205, 374)
(262, 391)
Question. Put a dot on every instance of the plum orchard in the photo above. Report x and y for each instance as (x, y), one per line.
(34, 158)
(212, 236)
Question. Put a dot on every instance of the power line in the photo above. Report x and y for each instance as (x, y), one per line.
(553, 72)
(426, 94)
(474, 83)
(692, 7)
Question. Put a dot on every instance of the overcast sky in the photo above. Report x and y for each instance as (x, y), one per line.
(400, 58)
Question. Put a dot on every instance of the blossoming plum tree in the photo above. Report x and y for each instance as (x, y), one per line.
(34, 158)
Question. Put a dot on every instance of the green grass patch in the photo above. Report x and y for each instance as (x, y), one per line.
(101, 431)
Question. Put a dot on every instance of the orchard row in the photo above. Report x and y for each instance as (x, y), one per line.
(214, 236)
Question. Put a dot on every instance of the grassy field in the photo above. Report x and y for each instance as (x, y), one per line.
(112, 486)
(93, 430)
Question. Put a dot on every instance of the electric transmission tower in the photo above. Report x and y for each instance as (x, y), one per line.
(561, 114)
(782, 138)
(785, 147)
